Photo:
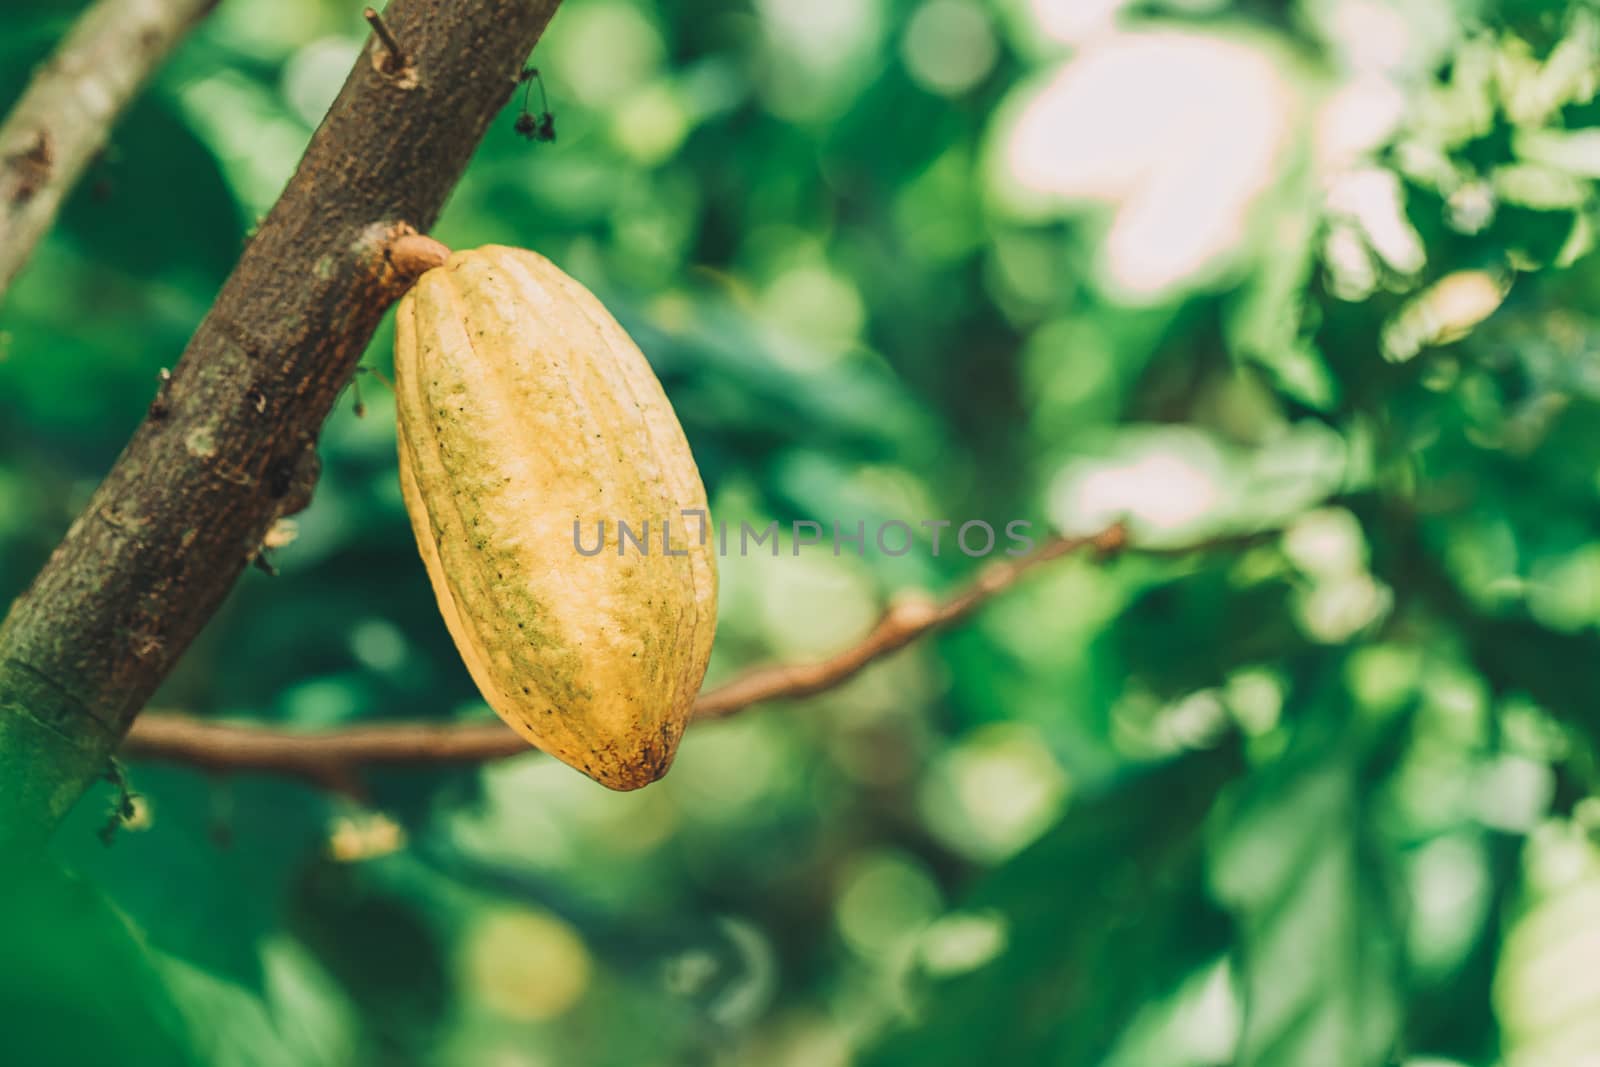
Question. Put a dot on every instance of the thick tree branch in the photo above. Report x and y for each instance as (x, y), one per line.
(334, 759)
(66, 113)
(229, 438)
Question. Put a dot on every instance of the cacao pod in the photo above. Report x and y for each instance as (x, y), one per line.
(526, 415)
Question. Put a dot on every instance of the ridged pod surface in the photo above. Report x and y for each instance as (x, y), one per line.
(527, 419)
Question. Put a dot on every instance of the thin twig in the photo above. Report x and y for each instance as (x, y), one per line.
(393, 62)
(396, 53)
(66, 113)
(333, 759)
(908, 618)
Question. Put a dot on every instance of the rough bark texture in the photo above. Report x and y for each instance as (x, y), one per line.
(229, 438)
(65, 115)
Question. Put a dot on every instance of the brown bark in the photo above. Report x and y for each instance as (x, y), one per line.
(230, 437)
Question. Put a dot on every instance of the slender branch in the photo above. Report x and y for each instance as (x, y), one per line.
(334, 759)
(228, 444)
(908, 618)
(68, 109)
(396, 58)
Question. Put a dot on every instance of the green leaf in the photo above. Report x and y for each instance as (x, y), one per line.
(1103, 914)
(208, 877)
(1318, 966)
(77, 985)
(299, 1020)
(1546, 987)
(1267, 325)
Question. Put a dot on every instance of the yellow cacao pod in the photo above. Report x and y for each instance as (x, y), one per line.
(528, 422)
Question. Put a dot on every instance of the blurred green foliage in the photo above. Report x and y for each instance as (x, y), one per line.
(1310, 279)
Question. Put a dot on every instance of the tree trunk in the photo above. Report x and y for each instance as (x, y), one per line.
(228, 444)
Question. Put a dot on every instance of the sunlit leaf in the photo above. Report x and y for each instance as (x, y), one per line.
(1319, 956)
(1101, 914)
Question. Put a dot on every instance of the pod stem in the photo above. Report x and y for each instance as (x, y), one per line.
(415, 253)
